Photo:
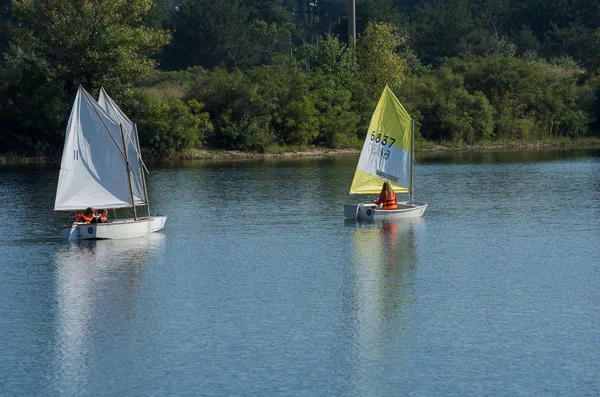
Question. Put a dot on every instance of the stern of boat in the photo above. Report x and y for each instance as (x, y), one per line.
(158, 222)
(360, 211)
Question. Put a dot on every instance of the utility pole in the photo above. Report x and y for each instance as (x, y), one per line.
(351, 23)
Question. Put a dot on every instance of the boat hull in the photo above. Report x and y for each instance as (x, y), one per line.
(371, 212)
(158, 222)
(115, 229)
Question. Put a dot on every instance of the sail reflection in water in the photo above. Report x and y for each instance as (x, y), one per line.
(96, 286)
(383, 265)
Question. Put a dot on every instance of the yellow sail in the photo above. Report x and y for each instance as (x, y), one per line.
(387, 151)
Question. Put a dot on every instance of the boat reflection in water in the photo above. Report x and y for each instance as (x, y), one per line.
(383, 266)
(97, 287)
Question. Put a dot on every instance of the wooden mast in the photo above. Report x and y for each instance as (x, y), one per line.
(412, 157)
(128, 173)
(137, 141)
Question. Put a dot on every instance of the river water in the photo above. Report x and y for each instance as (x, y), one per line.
(257, 286)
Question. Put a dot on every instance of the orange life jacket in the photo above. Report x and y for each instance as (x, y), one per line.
(103, 218)
(83, 218)
(389, 203)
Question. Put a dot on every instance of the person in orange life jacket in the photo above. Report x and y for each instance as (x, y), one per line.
(86, 217)
(101, 216)
(387, 197)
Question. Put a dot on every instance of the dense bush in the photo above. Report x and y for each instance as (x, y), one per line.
(170, 126)
(541, 98)
(476, 99)
(447, 111)
(278, 104)
(33, 110)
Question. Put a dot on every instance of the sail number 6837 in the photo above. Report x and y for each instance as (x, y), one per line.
(377, 138)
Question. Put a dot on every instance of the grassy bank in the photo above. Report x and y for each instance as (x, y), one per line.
(290, 152)
(422, 146)
(558, 142)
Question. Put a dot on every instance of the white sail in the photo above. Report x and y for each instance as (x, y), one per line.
(93, 168)
(131, 138)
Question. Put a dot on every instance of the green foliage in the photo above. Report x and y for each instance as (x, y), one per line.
(334, 58)
(32, 107)
(447, 111)
(268, 41)
(547, 94)
(257, 75)
(367, 11)
(61, 44)
(337, 121)
(501, 46)
(239, 115)
(476, 99)
(170, 126)
(92, 44)
(6, 19)
(443, 28)
(278, 104)
(228, 33)
(270, 102)
(592, 91)
(314, 19)
(526, 41)
(378, 62)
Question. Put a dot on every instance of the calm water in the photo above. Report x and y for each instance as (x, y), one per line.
(258, 287)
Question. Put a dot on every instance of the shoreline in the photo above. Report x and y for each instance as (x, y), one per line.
(219, 155)
(427, 147)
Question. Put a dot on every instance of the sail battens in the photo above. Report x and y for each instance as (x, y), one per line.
(386, 153)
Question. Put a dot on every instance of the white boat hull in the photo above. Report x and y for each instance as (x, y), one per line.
(115, 229)
(371, 212)
(158, 222)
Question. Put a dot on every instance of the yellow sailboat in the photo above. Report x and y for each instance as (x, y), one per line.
(387, 155)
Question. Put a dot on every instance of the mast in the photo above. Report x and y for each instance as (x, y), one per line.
(137, 141)
(128, 173)
(412, 158)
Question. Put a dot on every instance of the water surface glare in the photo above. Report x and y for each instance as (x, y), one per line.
(257, 286)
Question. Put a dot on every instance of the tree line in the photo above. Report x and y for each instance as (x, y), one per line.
(267, 75)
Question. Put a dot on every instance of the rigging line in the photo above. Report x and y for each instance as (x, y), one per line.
(118, 112)
(143, 176)
(128, 174)
(139, 150)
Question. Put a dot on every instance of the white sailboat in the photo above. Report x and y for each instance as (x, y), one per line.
(387, 155)
(101, 167)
